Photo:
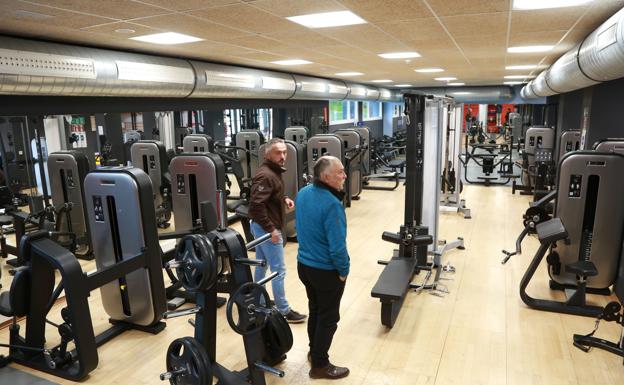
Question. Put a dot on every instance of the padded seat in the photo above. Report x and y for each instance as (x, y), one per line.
(394, 279)
(582, 268)
(394, 164)
(6, 220)
(551, 231)
(16, 301)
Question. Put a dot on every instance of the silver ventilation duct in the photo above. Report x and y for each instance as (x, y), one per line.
(317, 88)
(539, 85)
(38, 68)
(225, 81)
(471, 94)
(599, 58)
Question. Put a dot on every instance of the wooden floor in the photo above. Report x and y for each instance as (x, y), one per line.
(480, 333)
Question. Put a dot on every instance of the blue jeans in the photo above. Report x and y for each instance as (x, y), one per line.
(273, 254)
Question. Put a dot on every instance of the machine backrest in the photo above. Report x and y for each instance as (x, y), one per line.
(198, 143)
(324, 144)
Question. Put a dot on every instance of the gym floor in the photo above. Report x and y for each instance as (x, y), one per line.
(480, 333)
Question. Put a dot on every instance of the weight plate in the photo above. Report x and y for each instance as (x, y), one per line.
(199, 267)
(248, 300)
(187, 359)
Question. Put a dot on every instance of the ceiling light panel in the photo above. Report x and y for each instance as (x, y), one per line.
(382, 81)
(349, 74)
(427, 70)
(446, 79)
(399, 55)
(512, 83)
(327, 19)
(456, 84)
(402, 85)
(521, 67)
(530, 48)
(518, 76)
(291, 62)
(167, 38)
(544, 4)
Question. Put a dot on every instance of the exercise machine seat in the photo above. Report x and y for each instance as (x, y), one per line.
(15, 302)
(6, 220)
(582, 268)
(551, 231)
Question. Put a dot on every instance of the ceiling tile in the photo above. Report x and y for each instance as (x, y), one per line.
(535, 38)
(117, 9)
(109, 30)
(297, 7)
(545, 19)
(384, 10)
(29, 16)
(248, 18)
(185, 5)
(309, 39)
(414, 30)
(450, 8)
(365, 36)
(261, 43)
(494, 24)
(192, 26)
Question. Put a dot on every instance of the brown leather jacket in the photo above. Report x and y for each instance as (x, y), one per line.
(266, 203)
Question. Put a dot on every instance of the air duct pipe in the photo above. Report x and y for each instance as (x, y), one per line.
(599, 58)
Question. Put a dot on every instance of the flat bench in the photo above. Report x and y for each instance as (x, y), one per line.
(391, 287)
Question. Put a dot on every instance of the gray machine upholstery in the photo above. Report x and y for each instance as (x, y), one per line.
(324, 144)
(122, 222)
(297, 134)
(196, 178)
(570, 141)
(251, 141)
(67, 171)
(198, 143)
(151, 157)
(352, 141)
(293, 180)
(590, 205)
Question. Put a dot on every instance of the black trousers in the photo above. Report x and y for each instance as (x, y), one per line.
(324, 289)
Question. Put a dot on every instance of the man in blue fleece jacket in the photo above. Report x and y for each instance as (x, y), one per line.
(323, 260)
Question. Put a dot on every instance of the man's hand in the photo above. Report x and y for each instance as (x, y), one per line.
(275, 236)
(289, 203)
(343, 279)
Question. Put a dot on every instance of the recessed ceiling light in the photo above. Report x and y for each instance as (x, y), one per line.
(349, 74)
(522, 67)
(518, 76)
(327, 19)
(382, 81)
(402, 85)
(530, 48)
(291, 62)
(461, 93)
(399, 55)
(543, 4)
(512, 83)
(446, 79)
(167, 38)
(425, 70)
(125, 30)
(456, 84)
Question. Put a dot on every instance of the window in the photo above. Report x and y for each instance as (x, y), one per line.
(371, 110)
(342, 111)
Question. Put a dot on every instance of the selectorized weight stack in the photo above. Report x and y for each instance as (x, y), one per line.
(297, 134)
(586, 235)
(570, 141)
(151, 157)
(120, 211)
(325, 144)
(615, 145)
(67, 171)
(354, 150)
(197, 143)
(249, 142)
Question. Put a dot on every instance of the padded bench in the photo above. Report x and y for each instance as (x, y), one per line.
(391, 287)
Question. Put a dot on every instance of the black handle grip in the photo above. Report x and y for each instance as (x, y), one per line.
(391, 237)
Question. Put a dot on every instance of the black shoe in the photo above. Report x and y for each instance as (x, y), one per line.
(330, 372)
(294, 317)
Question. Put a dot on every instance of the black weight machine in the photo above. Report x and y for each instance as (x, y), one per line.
(413, 237)
(491, 158)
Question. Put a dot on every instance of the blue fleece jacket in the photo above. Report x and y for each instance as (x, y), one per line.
(321, 230)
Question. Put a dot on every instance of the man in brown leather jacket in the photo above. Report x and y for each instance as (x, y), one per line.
(266, 209)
